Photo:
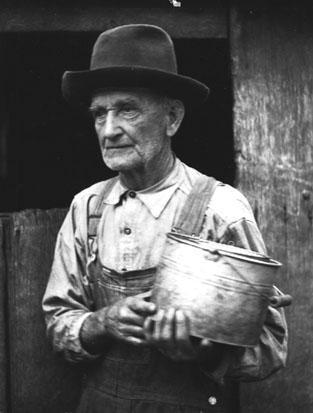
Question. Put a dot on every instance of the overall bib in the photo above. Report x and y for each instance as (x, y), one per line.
(129, 378)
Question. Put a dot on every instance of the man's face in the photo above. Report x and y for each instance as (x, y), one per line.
(131, 125)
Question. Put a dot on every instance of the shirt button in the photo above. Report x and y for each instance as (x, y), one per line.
(127, 231)
(132, 194)
(212, 400)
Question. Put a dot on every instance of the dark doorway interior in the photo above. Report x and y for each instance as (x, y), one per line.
(51, 149)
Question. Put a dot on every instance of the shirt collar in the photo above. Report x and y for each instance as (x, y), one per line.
(156, 197)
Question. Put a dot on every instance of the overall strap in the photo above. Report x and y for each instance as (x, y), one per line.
(191, 218)
(95, 207)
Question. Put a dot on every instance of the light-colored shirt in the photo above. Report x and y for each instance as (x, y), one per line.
(131, 236)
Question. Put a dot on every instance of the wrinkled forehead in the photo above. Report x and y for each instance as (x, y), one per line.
(106, 96)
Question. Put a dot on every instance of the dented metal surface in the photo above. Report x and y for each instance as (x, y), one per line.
(224, 290)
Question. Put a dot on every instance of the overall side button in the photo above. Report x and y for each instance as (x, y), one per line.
(212, 400)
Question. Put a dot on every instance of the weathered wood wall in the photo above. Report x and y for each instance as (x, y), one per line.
(39, 381)
(272, 53)
(4, 384)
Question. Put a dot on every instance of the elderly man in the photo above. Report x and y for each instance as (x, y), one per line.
(97, 300)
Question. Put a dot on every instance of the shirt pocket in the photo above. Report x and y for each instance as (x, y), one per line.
(112, 286)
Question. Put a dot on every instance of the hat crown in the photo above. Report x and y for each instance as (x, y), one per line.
(134, 45)
(134, 55)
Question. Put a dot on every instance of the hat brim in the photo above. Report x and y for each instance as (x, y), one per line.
(79, 86)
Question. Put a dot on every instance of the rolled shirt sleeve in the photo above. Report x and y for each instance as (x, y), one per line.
(67, 300)
(230, 220)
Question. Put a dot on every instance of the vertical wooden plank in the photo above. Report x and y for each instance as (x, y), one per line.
(3, 326)
(7, 191)
(272, 55)
(40, 382)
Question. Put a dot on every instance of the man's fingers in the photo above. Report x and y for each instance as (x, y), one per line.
(157, 328)
(148, 327)
(167, 328)
(161, 330)
(135, 340)
(124, 315)
(182, 326)
(140, 306)
(170, 332)
(133, 331)
(183, 341)
(129, 317)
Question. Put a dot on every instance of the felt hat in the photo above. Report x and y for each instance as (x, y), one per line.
(138, 55)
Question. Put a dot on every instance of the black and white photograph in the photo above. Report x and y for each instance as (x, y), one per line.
(156, 206)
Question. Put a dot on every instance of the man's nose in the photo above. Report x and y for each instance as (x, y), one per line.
(110, 128)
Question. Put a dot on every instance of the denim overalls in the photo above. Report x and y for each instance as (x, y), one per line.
(129, 378)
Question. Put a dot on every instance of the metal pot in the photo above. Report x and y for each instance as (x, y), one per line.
(224, 290)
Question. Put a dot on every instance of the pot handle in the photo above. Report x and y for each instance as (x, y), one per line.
(280, 299)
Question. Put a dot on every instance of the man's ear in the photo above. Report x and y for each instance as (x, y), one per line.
(176, 113)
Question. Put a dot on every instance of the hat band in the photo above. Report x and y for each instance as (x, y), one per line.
(149, 61)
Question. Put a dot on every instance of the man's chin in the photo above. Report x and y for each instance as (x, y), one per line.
(119, 165)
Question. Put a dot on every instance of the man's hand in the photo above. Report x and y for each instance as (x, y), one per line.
(122, 320)
(170, 333)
